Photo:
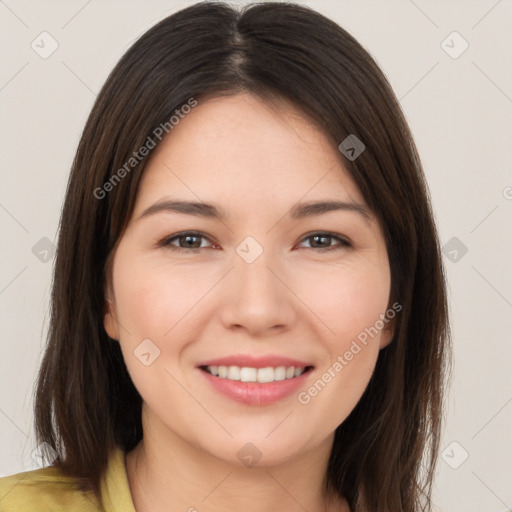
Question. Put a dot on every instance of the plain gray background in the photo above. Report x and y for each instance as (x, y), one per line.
(458, 102)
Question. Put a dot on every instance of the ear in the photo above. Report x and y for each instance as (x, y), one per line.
(387, 333)
(110, 321)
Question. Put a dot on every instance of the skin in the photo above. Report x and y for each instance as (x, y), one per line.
(296, 299)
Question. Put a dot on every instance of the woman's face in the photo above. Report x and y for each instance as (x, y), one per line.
(267, 285)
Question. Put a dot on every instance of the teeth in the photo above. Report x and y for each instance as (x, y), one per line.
(248, 374)
(234, 373)
(280, 373)
(261, 375)
(265, 375)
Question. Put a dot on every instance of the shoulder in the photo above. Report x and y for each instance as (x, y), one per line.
(46, 489)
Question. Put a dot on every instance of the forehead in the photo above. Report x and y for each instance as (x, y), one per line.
(239, 146)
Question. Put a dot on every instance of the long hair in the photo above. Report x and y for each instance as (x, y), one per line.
(384, 454)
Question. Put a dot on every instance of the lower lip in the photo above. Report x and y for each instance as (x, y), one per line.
(256, 393)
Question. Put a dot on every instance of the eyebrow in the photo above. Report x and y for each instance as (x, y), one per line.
(299, 211)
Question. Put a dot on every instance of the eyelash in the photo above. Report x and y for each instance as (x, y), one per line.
(166, 242)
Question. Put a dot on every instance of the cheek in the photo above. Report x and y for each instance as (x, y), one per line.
(160, 303)
(351, 306)
(152, 304)
(335, 394)
(155, 299)
(348, 299)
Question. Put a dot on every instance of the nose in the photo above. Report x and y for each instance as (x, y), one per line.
(259, 298)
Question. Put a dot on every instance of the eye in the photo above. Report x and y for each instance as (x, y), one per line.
(187, 238)
(191, 241)
(321, 240)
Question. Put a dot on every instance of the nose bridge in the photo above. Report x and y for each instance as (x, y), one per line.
(253, 270)
(257, 275)
(259, 299)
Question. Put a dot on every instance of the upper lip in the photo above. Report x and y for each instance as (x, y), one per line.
(243, 360)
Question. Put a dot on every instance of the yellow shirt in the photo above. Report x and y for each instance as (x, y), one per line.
(48, 490)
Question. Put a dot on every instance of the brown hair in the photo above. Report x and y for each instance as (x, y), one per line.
(385, 452)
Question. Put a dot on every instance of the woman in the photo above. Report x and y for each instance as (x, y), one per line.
(249, 305)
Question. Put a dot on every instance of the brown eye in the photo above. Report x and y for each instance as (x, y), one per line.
(323, 241)
(189, 240)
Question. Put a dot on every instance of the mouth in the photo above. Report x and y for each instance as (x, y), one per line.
(255, 381)
(252, 374)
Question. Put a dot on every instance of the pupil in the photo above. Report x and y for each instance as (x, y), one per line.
(321, 237)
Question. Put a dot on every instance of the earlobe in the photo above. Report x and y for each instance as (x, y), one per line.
(387, 334)
(109, 320)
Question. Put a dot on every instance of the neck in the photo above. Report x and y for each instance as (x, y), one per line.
(165, 472)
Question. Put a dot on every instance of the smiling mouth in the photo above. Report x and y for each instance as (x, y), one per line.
(259, 375)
